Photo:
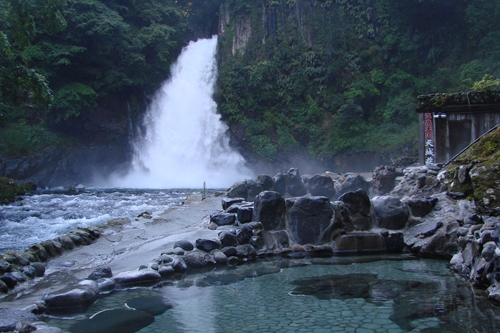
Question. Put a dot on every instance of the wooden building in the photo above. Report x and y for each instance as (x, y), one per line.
(448, 123)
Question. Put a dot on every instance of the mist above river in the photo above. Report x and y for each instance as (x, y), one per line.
(185, 143)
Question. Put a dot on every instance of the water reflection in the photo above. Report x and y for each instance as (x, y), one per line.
(318, 295)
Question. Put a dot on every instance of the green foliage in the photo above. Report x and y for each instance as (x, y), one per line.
(20, 139)
(59, 56)
(342, 76)
(10, 191)
(487, 83)
(69, 99)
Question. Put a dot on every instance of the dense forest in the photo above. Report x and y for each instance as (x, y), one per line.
(337, 77)
(318, 78)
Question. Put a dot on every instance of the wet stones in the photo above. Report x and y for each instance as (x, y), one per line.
(270, 210)
(143, 277)
(390, 212)
(296, 188)
(208, 245)
(73, 299)
(184, 244)
(321, 185)
(222, 219)
(308, 219)
(383, 180)
(357, 211)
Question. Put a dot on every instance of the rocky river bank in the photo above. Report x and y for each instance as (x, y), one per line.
(417, 211)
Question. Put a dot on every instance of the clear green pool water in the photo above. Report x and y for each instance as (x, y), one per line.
(349, 294)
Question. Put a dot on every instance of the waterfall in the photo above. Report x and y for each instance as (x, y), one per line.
(185, 143)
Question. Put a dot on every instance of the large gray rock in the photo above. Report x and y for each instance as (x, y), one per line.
(280, 182)
(383, 180)
(390, 212)
(308, 220)
(223, 219)
(73, 299)
(266, 182)
(244, 234)
(245, 214)
(238, 190)
(227, 239)
(269, 208)
(356, 214)
(360, 242)
(208, 245)
(143, 277)
(351, 182)
(198, 259)
(228, 202)
(253, 189)
(420, 207)
(321, 185)
(296, 188)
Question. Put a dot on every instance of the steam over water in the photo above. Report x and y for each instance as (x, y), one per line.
(185, 143)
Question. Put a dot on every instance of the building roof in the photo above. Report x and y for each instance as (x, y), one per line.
(465, 102)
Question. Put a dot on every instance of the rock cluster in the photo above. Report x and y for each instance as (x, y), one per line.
(20, 266)
(478, 259)
(293, 217)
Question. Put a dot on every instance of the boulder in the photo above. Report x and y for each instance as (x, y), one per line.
(73, 299)
(198, 259)
(269, 208)
(208, 245)
(383, 179)
(245, 214)
(39, 268)
(184, 244)
(357, 211)
(360, 242)
(351, 182)
(390, 212)
(280, 182)
(420, 207)
(253, 189)
(238, 190)
(296, 188)
(308, 219)
(244, 234)
(223, 219)
(143, 277)
(245, 250)
(266, 182)
(228, 202)
(227, 239)
(321, 185)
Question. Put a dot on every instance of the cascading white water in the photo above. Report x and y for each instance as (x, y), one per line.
(185, 142)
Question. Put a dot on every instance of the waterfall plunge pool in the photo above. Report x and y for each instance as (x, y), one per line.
(390, 293)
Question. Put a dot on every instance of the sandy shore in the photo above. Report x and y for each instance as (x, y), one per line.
(123, 246)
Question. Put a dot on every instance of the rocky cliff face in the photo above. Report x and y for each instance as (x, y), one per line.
(98, 143)
(276, 17)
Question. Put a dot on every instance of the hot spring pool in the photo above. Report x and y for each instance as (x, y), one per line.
(347, 294)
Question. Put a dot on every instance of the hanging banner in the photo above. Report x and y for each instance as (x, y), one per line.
(429, 139)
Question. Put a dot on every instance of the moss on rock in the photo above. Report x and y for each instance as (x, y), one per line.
(481, 178)
(10, 190)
